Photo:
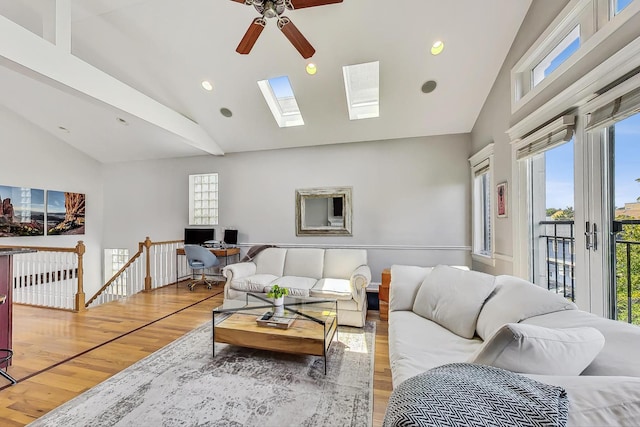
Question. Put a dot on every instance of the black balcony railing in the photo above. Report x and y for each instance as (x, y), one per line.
(560, 262)
(560, 256)
(627, 272)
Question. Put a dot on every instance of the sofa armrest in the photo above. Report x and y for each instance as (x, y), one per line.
(241, 269)
(360, 279)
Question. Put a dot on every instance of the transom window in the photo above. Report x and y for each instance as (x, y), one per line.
(568, 39)
(619, 5)
(203, 199)
(557, 56)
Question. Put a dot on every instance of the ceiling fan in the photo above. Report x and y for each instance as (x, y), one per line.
(275, 9)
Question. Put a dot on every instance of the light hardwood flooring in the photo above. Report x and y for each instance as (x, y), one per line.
(58, 354)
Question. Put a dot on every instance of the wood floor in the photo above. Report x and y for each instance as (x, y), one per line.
(58, 355)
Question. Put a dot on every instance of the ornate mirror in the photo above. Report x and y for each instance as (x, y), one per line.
(323, 211)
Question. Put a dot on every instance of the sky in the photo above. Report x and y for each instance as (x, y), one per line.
(559, 167)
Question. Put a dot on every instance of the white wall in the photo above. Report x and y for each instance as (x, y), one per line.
(495, 118)
(410, 197)
(36, 159)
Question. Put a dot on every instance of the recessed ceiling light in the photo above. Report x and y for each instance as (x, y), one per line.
(429, 86)
(311, 68)
(437, 47)
(64, 129)
(226, 112)
(122, 121)
(206, 84)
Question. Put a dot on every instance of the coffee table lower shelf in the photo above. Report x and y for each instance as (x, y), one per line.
(302, 337)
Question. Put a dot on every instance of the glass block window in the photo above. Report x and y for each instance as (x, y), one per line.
(203, 199)
(114, 260)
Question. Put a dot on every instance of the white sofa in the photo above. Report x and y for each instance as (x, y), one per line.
(606, 393)
(341, 274)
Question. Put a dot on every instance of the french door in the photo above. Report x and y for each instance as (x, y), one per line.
(582, 210)
(612, 195)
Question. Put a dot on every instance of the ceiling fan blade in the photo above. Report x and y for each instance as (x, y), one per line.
(299, 4)
(295, 37)
(250, 37)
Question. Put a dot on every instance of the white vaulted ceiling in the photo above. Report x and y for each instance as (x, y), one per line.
(145, 60)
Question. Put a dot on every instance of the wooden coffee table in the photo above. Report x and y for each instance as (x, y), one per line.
(315, 322)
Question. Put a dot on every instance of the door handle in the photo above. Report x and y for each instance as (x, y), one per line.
(587, 235)
(595, 237)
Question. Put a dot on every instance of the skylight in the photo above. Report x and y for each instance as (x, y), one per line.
(280, 98)
(362, 86)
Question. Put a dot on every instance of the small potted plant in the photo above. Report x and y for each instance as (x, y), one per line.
(277, 293)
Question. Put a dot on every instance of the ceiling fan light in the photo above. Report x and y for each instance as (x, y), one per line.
(437, 47)
(311, 68)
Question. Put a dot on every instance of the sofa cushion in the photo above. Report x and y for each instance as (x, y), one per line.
(298, 286)
(417, 344)
(515, 299)
(304, 263)
(531, 349)
(340, 263)
(254, 283)
(339, 289)
(405, 282)
(270, 261)
(622, 341)
(453, 298)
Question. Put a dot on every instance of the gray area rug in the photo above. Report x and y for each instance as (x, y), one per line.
(182, 385)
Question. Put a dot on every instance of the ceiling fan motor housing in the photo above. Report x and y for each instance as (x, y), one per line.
(269, 8)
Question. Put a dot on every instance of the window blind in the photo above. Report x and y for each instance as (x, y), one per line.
(481, 168)
(618, 109)
(556, 133)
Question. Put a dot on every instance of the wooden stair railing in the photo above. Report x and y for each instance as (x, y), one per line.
(157, 269)
(50, 277)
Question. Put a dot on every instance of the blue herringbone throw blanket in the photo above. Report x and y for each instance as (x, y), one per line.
(463, 394)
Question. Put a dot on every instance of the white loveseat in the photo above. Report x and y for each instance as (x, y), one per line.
(606, 392)
(341, 274)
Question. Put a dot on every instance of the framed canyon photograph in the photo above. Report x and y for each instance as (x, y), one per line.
(21, 211)
(65, 213)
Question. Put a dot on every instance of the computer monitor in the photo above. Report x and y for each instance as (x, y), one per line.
(231, 237)
(197, 236)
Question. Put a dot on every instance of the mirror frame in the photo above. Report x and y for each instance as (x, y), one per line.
(324, 192)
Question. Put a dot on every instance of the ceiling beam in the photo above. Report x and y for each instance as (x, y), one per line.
(29, 54)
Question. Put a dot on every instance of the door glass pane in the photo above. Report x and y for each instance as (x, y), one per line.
(552, 220)
(626, 191)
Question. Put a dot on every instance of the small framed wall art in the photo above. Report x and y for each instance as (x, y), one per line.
(501, 200)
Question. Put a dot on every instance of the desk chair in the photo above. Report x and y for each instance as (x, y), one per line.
(200, 258)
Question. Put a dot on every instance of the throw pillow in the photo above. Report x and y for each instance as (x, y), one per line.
(531, 349)
(453, 298)
(514, 300)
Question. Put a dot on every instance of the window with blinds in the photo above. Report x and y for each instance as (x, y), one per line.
(482, 205)
(203, 199)
(553, 134)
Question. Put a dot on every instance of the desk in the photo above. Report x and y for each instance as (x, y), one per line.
(223, 254)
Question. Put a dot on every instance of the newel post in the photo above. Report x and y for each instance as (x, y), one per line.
(80, 298)
(147, 279)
